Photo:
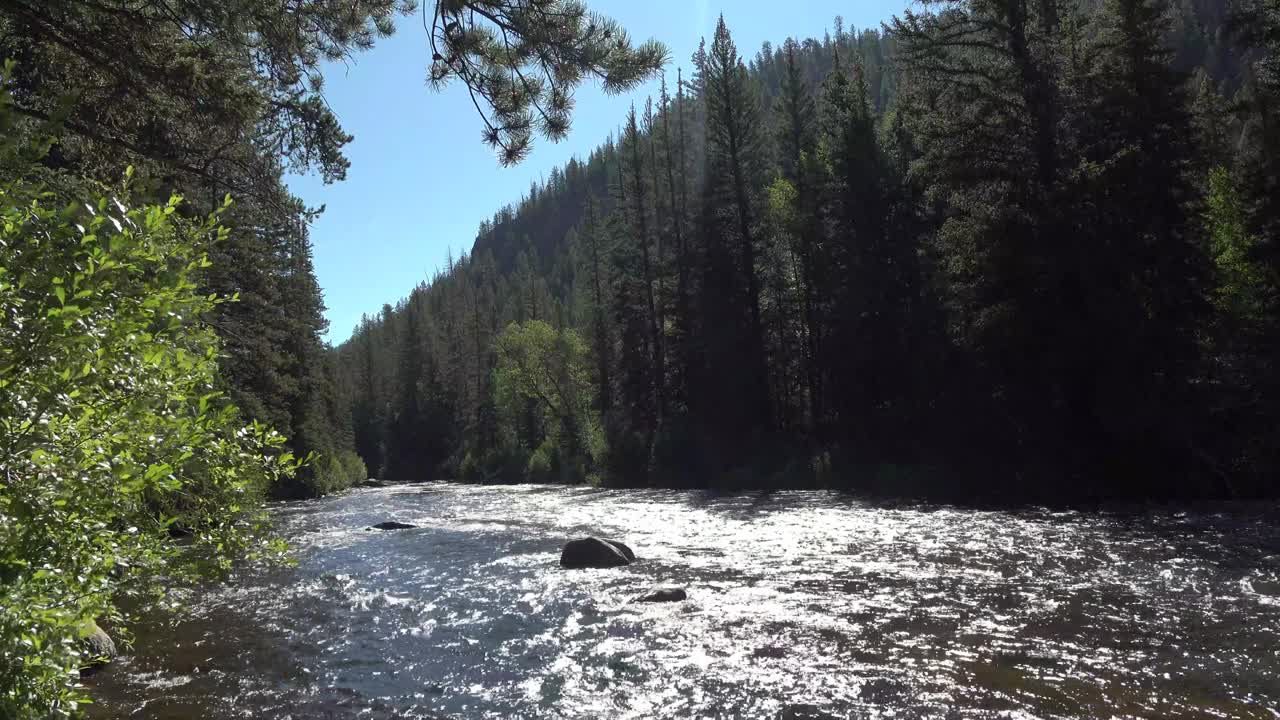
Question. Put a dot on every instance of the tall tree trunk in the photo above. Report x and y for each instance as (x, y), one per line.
(642, 230)
(748, 251)
(660, 354)
(600, 327)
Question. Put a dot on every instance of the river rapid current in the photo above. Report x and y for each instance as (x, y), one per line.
(801, 605)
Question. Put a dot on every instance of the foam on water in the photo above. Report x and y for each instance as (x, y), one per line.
(801, 605)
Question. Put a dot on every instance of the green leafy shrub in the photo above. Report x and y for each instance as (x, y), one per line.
(505, 463)
(353, 468)
(542, 464)
(469, 469)
(323, 476)
(112, 428)
(326, 474)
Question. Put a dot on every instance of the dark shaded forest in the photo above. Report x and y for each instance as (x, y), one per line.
(996, 248)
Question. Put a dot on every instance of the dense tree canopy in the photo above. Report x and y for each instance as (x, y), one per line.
(1022, 248)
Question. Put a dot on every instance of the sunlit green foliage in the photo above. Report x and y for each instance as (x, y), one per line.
(543, 382)
(1240, 291)
(114, 437)
(330, 473)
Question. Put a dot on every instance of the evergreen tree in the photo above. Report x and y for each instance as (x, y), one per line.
(662, 246)
(984, 111)
(595, 256)
(524, 60)
(800, 168)
(675, 167)
(1137, 293)
(736, 153)
(1243, 218)
(870, 300)
(640, 192)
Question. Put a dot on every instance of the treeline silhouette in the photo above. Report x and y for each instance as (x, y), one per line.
(1001, 248)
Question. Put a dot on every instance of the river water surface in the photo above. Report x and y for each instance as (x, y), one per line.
(801, 605)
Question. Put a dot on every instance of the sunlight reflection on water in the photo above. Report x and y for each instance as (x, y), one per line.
(801, 605)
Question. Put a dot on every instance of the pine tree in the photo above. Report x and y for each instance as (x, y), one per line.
(596, 255)
(1137, 283)
(800, 166)
(1244, 224)
(638, 214)
(982, 106)
(525, 59)
(871, 299)
(735, 155)
(1258, 24)
(675, 167)
(797, 116)
(630, 426)
(659, 269)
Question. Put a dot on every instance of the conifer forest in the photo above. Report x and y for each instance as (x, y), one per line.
(992, 249)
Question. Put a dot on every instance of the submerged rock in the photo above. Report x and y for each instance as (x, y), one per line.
(595, 553)
(392, 526)
(666, 593)
(98, 647)
(371, 483)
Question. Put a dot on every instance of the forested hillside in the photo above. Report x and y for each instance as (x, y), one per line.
(998, 247)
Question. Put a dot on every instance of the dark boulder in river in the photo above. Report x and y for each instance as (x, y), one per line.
(627, 552)
(99, 649)
(595, 553)
(371, 483)
(664, 594)
(392, 526)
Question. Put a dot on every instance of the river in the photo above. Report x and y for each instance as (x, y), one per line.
(802, 605)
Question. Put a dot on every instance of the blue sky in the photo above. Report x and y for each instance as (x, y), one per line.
(421, 180)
